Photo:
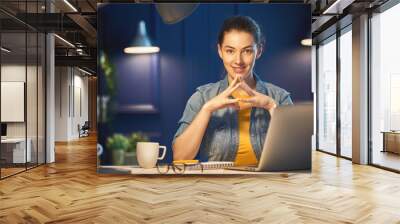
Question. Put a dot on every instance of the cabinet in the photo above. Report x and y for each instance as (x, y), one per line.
(391, 141)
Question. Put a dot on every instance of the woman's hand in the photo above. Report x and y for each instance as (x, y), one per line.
(223, 100)
(257, 99)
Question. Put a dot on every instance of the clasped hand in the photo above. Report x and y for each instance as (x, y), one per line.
(253, 98)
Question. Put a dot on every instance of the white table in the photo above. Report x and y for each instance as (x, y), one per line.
(18, 145)
(135, 170)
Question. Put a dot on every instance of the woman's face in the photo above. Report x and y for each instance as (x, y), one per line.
(238, 52)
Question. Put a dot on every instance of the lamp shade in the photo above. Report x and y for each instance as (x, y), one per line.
(306, 42)
(142, 43)
(174, 12)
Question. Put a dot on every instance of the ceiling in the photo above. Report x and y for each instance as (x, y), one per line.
(76, 22)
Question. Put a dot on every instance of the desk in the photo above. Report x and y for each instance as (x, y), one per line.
(15, 148)
(135, 170)
(391, 141)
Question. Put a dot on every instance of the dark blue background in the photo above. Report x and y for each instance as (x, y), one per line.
(188, 58)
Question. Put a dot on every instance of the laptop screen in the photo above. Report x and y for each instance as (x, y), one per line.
(3, 129)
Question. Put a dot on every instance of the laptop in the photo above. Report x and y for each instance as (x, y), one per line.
(287, 145)
(3, 131)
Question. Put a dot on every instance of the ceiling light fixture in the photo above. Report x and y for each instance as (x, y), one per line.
(142, 43)
(84, 71)
(337, 7)
(64, 40)
(70, 5)
(5, 50)
(306, 42)
(175, 12)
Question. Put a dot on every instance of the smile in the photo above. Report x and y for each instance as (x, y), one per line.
(238, 70)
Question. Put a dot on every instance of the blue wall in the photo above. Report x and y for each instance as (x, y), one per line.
(188, 58)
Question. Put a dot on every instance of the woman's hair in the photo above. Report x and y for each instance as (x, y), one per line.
(242, 23)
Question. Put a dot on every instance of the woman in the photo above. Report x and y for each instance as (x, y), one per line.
(228, 120)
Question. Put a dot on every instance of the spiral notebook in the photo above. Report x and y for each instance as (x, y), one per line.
(212, 165)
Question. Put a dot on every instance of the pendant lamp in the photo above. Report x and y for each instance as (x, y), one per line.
(142, 43)
(175, 12)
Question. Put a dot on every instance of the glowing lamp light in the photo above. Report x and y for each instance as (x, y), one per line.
(306, 42)
(142, 43)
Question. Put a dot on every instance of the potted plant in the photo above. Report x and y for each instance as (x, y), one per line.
(118, 143)
(134, 138)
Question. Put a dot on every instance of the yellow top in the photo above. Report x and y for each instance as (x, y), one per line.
(245, 153)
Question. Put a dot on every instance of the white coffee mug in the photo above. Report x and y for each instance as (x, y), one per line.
(147, 154)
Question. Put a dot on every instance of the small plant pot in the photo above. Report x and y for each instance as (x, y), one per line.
(118, 157)
(130, 158)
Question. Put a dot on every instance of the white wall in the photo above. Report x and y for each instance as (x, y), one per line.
(13, 73)
(71, 93)
(33, 127)
(80, 115)
(61, 103)
(12, 101)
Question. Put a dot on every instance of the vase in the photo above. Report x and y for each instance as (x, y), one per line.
(130, 159)
(118, 157)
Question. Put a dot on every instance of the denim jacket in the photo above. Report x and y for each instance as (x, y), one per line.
(221, 139)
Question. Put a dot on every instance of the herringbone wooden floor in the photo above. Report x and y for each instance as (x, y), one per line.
(70, 191)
